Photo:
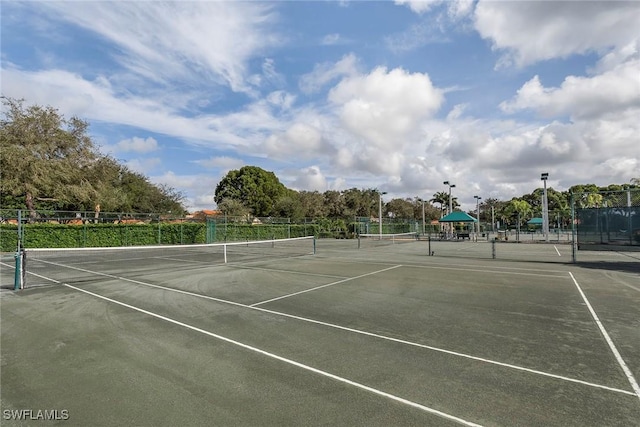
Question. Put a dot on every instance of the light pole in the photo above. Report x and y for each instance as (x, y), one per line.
(450, 204)
(478, 198)
(423, 218)
(545, 207)
(380, 193)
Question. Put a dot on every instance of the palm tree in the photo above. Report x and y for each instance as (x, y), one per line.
(442, 198)
(522, 208)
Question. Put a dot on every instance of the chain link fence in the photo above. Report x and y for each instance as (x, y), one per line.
(607, 220)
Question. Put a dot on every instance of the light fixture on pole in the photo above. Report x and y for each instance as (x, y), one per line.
(450, 203)
(545, 207)
(478, 198)
(380, 193)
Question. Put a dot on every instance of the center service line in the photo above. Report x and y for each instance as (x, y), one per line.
(616, 353)
(324, 286)
(280, 358)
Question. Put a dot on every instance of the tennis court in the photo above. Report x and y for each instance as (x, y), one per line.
(357, 333)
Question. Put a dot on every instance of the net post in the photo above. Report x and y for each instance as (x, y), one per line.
(17, 279)
(493, 249)
(314, 245)
(358, 240)
(430, 253)
(224, 249)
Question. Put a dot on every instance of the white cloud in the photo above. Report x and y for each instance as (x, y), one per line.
(582, 97)
(137, 145)
(198, 189)
(224, 163)
(531, 31)
(143, 166)
(456, 9)
(281, 99)
(385, 108)
(419, 6)
(331, 39)
(185, 41)
(327, 72)
(310, 179)
(300, 141)
(97, 100)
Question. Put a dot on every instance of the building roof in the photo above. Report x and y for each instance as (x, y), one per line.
(457, 216)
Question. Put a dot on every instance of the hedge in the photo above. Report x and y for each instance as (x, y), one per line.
(44, 235)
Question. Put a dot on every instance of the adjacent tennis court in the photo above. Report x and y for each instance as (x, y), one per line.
(333, 332)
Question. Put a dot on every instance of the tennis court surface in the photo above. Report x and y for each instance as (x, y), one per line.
(381, 335)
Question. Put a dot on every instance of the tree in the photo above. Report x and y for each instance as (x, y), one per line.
(312, 204)
(443, 199)
(288, 206)
(233, 208)
(49, 162)
(335, 205)
(521, 208)
(402, 208)
(45, 156)
(254, 187)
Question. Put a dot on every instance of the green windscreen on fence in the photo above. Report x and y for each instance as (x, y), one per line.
(613, 223)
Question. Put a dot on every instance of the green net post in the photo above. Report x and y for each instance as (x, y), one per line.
(17, 280)
(314, 245)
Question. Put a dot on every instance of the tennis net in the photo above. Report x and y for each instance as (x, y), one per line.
(372, 240)
(78, 264)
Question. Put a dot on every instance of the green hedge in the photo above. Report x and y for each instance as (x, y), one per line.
(45, 235)
(240, 232)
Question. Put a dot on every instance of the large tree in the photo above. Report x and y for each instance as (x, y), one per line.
(49, 162)
(45, 156)
(254, 187)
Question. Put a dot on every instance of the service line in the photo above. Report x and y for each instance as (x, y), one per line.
(612, 346)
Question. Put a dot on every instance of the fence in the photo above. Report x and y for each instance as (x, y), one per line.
(607, 220)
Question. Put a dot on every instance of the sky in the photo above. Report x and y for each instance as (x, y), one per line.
(399, 96)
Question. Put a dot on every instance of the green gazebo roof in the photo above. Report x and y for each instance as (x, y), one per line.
(535, 221)
(457, 216)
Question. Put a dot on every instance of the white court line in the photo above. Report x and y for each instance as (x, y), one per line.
(557, 251)
(356, 331)
(458, 267)
(616, 353)
(324, 286)
(283, 359)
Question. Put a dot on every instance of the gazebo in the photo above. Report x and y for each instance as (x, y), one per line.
(459, 216)
(535, 221)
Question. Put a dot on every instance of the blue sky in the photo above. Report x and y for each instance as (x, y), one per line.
(398, 96)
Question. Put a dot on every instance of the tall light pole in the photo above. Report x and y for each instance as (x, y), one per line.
(478, 198)
(450, 203)
(423, 218)
(545, 207)
(380, 193)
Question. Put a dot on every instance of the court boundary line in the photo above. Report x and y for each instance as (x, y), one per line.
(475, 268)
(292, 362)
(323, 286)
(612, 346)
(344, 328)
